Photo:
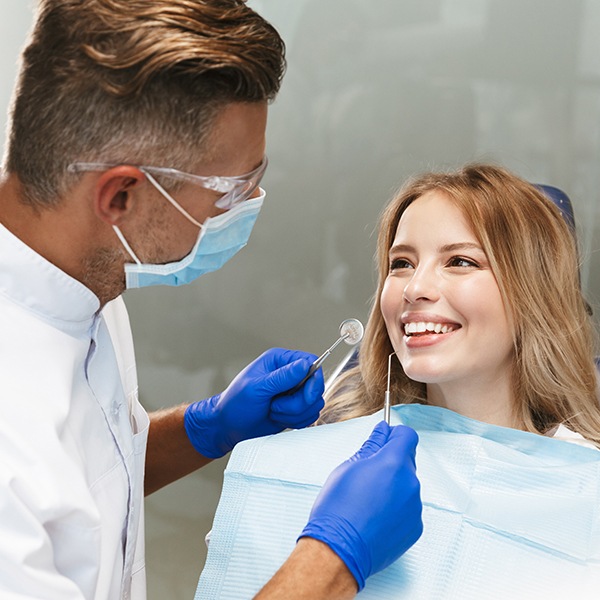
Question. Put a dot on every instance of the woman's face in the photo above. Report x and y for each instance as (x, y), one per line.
(441, 303)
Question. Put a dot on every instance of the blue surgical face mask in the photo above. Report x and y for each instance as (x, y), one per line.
(219, 239)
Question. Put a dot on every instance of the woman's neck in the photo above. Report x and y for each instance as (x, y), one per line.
(487, 402)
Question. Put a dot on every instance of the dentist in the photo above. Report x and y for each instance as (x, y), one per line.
(136, 151)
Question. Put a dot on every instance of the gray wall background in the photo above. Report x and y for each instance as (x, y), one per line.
(376, 90)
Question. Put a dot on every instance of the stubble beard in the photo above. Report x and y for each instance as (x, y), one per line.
(103, 273)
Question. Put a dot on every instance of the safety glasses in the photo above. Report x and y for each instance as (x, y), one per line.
(234, 189)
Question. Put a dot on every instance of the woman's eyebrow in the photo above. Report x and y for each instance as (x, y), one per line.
(401, 248)
(442, 249)
(460, 246)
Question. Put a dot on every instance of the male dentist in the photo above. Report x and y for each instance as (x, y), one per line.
(136, 149)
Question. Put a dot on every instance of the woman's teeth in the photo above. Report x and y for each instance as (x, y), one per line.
(427, 327)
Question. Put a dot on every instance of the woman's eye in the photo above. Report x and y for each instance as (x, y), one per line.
(459, 261)
(399, 263)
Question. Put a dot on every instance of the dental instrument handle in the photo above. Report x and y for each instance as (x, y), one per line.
(325, 354)
(351, 332)
(386, 408)
(318, 363)
(386, 401)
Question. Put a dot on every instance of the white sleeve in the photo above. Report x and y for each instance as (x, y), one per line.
(27, 558)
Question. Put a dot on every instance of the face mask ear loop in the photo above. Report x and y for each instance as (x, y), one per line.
(170, 199)
(126, 245)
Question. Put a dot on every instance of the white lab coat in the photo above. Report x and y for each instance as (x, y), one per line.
(72, 438)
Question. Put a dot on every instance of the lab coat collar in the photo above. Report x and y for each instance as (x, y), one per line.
(28, 279)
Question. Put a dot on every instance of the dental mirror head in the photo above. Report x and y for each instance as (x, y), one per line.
(352, 331)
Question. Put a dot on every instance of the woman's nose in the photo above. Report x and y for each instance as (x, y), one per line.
(422, 286)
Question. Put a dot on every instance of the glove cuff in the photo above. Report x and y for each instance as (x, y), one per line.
(203, 430)
(344, 545)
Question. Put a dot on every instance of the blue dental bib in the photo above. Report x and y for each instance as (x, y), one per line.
(507, 514)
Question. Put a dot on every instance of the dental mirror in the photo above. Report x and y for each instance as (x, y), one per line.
(351, 332)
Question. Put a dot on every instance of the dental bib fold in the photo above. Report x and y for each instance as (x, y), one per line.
(507, 514)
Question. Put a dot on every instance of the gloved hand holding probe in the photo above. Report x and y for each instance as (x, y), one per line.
(369, 510)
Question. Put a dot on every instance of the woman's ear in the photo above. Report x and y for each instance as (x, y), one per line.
(113, 199)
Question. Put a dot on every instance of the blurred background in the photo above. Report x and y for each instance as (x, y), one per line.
(376, 90)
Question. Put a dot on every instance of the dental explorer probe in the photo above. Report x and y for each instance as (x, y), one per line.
(386, 402)
(351, 332)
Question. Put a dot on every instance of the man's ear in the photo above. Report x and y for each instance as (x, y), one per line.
(113, 198)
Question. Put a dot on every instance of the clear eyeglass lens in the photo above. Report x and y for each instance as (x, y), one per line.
(239, 193)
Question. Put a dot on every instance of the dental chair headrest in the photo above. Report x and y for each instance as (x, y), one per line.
(561, 200)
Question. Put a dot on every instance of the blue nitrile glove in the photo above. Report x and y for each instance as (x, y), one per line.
(369, 509)
(256, 403)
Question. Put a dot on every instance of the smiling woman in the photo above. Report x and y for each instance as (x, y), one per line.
(444, 313)
(479, 310)
(479, 298)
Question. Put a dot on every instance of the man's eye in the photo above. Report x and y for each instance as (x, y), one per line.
(459, 261)
(399, 263)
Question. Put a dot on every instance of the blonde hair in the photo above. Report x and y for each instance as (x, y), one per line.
(132, 81)
(533, 255)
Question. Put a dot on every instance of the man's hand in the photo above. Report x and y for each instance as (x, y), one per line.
(369, 510)
(257, 403)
